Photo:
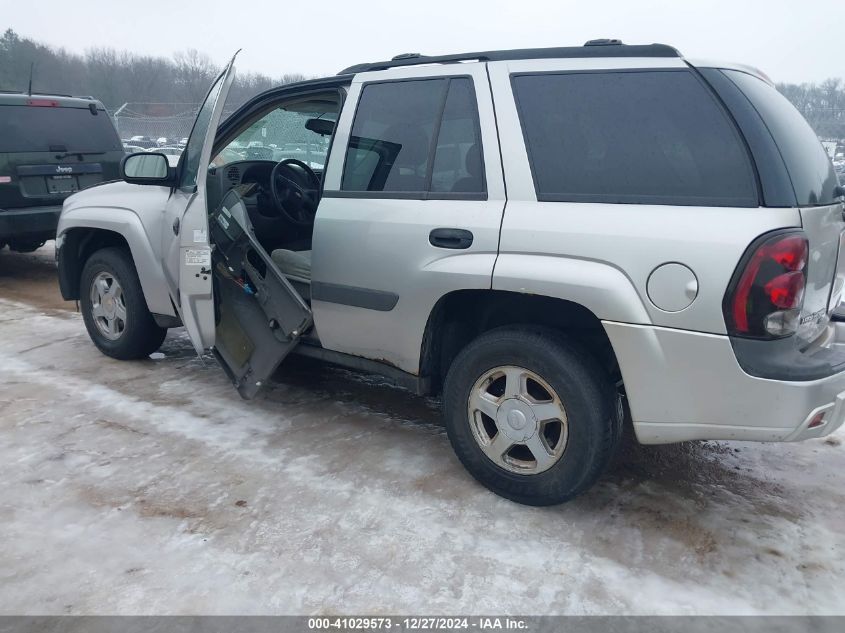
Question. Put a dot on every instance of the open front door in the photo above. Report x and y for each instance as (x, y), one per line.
(231, 296)
(185, 248)
(260, 317)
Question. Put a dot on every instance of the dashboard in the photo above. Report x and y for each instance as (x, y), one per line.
(252, 180)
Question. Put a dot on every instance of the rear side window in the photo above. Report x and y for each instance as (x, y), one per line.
(417, 138)
(810, 170)
(648, 137)
(56, 129)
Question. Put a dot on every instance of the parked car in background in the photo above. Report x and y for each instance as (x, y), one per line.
(172, 153)
(142, 141)
(549, 238)
(131, 149)
(50, 147)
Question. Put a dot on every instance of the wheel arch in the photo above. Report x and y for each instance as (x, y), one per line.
(102, 228)
(461, 316)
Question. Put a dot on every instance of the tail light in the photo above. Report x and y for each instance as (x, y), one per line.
(765, 297)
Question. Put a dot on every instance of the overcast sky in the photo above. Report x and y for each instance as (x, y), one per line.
(789, 40)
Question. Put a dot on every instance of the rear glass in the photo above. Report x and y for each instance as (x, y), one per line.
(649, 137)
(810, 169)
(56, 129)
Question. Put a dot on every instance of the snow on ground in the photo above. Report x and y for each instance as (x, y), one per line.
(150, 487)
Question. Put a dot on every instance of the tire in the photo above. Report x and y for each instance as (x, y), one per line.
(139, 335)
(565, 381)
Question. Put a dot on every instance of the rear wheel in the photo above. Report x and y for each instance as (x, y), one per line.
(531, 414)
(114, 309)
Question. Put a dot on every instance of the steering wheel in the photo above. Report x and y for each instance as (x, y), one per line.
(296, 190)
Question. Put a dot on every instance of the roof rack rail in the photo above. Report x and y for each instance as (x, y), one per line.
(592, 48)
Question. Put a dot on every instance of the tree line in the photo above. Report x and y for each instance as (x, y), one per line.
(823, 105)
(117, 77)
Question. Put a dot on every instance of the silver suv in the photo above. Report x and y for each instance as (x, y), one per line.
(557, 240)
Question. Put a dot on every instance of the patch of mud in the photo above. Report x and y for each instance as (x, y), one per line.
(32, 278)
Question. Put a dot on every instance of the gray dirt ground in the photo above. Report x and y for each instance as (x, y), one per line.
(150, 487)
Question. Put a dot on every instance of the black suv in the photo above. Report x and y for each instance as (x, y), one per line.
(50, 147)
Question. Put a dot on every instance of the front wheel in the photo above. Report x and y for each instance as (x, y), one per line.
(531, 415)
(114, 309)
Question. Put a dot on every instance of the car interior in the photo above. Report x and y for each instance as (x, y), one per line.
(275, 164)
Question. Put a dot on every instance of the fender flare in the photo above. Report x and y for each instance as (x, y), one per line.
(126, 223)
(601, 288)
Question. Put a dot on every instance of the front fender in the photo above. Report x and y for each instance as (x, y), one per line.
(139, 227)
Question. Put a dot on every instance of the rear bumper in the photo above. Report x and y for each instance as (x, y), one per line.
(29, 224)
(684, 385)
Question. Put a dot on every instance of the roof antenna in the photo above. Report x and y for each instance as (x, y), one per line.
(31, 67)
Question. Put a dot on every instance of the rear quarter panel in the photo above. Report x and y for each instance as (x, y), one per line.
(601, 255)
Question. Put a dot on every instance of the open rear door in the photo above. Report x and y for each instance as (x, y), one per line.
(260, 317)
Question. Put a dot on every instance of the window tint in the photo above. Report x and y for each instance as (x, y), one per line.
(458, 159)
(810, 169)
(651, 137)
(37, 129)
(391, 149)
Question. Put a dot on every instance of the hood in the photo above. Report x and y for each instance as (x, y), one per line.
(118, 194)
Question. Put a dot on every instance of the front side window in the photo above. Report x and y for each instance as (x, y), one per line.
(648, 137)
(285, 132)
(416, 137)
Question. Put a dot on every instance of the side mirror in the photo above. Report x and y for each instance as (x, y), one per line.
(147, 168)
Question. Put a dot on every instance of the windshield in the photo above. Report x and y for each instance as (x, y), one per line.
(283, 134)
(25, 128)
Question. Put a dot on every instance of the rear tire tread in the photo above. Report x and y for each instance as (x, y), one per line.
(588, 395)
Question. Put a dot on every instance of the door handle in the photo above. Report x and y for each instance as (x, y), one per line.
(450, 238)
(176, 226)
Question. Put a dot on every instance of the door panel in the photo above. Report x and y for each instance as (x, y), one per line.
(186, 252)
(371, 246)
(260, 317)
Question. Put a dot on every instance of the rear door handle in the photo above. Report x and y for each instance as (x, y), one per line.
(450, 238)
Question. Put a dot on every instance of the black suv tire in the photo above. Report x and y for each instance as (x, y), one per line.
(140, 336)
(582, 387)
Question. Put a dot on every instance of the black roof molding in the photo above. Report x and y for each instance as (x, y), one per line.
(593, 48)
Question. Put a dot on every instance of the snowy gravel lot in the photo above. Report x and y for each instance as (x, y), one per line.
(150, 487)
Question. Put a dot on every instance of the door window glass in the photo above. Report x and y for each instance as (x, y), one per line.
(391, 150)
(649, 137)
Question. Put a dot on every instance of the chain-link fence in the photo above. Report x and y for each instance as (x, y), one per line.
(147, 124)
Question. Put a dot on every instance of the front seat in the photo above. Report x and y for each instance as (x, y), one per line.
(296, 267)
(413, 144)
(294, 264)
(474, 182)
